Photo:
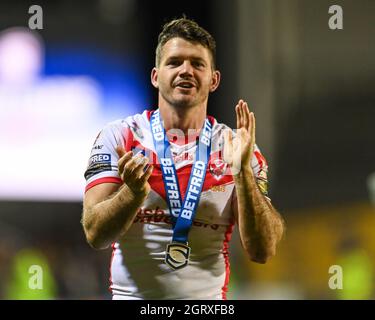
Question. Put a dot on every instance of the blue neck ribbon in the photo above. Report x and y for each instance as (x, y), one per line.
(182, 211)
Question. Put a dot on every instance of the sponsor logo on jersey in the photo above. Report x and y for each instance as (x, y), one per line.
(159, 215)
(100, 158)
(98, 147)
(182, 157)
(99, 163)
(263, 187)
(218, 188)
(262, 182)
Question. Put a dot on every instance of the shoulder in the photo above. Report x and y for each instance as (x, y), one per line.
(135, 124)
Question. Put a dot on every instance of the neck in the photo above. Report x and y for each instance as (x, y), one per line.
(183, 119)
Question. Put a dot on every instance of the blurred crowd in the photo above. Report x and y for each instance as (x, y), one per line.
(69, 272)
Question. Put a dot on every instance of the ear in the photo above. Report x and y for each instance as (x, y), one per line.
(215, 81)
(154, 77)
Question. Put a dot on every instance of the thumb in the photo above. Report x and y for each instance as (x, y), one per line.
(120, 151)
(228, 145)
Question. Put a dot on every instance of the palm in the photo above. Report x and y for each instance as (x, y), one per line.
(238, 150)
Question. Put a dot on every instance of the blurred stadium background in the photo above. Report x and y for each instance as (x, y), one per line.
(312, 90)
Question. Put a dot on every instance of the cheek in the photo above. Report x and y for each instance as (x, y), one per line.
(206, 83)
(161, 83)
(206, 78)
(165, 80)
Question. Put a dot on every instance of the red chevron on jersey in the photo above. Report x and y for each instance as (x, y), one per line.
(137, 267)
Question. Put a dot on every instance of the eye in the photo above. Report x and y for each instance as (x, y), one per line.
(173, 63)
(198, 64)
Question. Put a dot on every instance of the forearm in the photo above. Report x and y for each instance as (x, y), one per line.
(260, 225)
(109, 219)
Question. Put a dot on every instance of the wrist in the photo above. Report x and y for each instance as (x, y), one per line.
(137, 195)
(245, 171)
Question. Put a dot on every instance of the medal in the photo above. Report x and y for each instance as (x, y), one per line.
(177, 255)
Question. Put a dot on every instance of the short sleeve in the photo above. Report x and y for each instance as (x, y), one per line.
(102, 164)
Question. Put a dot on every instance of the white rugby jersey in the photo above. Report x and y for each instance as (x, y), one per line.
(137, 268)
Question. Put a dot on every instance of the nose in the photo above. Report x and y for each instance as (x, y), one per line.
(186, 69)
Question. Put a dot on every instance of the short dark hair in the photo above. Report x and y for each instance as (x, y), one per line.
(189, 30)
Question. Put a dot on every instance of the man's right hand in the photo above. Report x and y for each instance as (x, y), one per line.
(132, 173)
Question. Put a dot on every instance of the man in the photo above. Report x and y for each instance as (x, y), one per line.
(166, 194)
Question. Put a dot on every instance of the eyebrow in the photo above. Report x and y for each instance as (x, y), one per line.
(194, 58)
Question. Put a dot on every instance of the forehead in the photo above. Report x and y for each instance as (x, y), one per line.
(178, 47)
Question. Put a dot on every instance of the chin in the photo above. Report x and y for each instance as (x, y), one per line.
(184, 103)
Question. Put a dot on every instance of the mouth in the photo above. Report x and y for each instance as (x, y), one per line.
(185, 85)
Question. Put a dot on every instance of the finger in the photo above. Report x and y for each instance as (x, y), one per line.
(147, 174)
(136, 165)
(246, 115)
(133, 162)
(131, 165)
(140, 166)
(120, 151)
(228, 137)
(228, 145)
(249, 118)
(124, 159)
(238, 116)
(241, 113)
(252, 130)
